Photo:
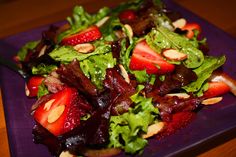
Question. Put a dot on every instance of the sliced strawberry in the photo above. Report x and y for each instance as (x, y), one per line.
(216, 89)
(60, 113)
(144, 58)
(127, 15)
(32, 85)
(90, 34)
(190, 27)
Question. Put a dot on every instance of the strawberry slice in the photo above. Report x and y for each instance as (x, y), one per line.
(60, 112)
(127, 15)
(216, 89)
(31, 88)
(90, 34)
(190, 27)
(144, 58)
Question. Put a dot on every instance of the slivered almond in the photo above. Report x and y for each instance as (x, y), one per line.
(179, 95)
(102, 21)
(129, 31)
(174, 55)
(124, 73)
(212, 101)
(56, 113)
(48, 104)
(27, 92)
(84, 48)
(42, 51)
(154, 129)
(180, 23)
(66, 154)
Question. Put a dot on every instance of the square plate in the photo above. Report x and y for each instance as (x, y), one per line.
(211, 122)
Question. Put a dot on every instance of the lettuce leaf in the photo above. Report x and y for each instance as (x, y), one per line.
(43, 69)
(24, 49)
(94, 67)
(81, 20)
(204, 72)
(126, 129)
(66, 54)
(162, 38)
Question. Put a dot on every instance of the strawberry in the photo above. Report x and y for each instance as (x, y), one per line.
(90, 34)
(190, 27)
(216, 89)
(31, 88)
(144, 58)
(127, 15)
(60, 112)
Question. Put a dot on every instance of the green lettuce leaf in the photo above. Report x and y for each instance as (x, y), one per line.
(24, 49)
(126, 129)
(204, 72)
(43, 69)
(66, 54)
(81, 20)
(162, 38)
(42, 90)
(94, 67)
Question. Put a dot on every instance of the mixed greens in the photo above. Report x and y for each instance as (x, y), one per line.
(104, 80)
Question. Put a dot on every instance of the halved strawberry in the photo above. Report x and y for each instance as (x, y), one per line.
(144, 58)
(90, 34)
(190, 27)
(31, 88)
(216, 89)
(60, 112)
(127, 15)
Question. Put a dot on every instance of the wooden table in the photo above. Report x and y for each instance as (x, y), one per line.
(21, 15)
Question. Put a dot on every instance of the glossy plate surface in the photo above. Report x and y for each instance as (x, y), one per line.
(209, 123)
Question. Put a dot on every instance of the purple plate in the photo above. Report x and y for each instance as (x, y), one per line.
(213, 123)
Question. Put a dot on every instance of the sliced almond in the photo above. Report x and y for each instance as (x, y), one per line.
(180, 23)
(27, 92)
(179, 95)
(174, 55)
(42, 51)
(56, 113)
(66, 154)
(129, 31)
(124, 73)
(102, 21)
(48, 104)
(212, 101)
(154, 129)
(84, 48)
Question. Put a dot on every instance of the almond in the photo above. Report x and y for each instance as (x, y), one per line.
(212, 101)
(154, 129)
(66, 154)
(27, 92)
(56, 113)
(48, 104)
(42, 51)
(179, 95)
(129, 31)
(84, 48)
(102, 21)
(124, 73)
(174, 55)
(180, 23)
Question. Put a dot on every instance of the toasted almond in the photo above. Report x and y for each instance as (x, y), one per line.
(66, 154)
(48, 104)
(84, 48)
(56, 113)
(124, 73)
(174, 55)
(102, 21)
(212, 101)
(42, 51)
(27, 92)
(154, 129)
(179, 95)
(180, 23)
(129, 31)
(120, 34)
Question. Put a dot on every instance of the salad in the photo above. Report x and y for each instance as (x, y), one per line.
(107, 82)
